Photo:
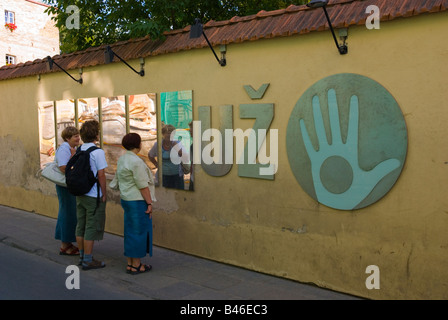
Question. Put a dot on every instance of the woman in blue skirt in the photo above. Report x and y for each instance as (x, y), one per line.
(136, 184)
(66, 223)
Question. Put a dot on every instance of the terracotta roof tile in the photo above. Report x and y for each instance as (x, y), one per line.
(265, 24)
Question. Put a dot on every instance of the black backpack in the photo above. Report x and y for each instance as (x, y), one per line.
(78, 174)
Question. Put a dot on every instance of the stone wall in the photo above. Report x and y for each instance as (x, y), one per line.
(36, 35)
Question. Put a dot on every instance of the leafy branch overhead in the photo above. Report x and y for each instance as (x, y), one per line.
(109, 21)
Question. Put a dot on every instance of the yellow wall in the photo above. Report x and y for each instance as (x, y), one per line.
(274, 226)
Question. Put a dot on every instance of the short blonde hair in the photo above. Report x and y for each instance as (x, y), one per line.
(69, 132)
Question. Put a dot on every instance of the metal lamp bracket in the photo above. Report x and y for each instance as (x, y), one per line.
(343, 35)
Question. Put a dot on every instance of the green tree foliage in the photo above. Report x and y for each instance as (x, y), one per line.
(108, 21)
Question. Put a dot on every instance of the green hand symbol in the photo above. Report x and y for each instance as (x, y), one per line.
(338, 180)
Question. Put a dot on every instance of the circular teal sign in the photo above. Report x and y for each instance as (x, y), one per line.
(346, 141)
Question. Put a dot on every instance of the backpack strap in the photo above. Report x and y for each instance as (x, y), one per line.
(98, 198)
(92, 148)
(89, 150)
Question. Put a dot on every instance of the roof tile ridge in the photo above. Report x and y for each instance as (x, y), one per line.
(263, 14)
(60, 56)
(237, 19)
(296, 8)
(340, 2)
(124, 42)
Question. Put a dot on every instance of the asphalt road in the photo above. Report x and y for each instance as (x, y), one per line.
(32, 269)
(30, 276)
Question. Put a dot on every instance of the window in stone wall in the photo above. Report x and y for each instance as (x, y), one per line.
(10, 59)
(9, 17)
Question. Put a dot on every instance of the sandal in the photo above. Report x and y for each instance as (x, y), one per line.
(94, 264)
(128, 270)
(138, 269)
(71, 250)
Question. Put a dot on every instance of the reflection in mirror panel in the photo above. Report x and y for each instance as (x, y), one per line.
(87, 110)
(143, 120)
(113, 110)
(65, 113)
(117, 119)
(177, 111)
(46, 132)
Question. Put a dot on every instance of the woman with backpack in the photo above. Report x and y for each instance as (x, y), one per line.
(136, 184)
(91, 206)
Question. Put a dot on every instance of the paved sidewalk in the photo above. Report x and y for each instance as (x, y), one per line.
(175, 275)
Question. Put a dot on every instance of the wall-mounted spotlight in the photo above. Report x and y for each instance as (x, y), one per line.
(196, 31)
(109, 55)
(50, 63)
(322, 4)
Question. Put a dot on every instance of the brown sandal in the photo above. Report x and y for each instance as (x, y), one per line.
(71, 250)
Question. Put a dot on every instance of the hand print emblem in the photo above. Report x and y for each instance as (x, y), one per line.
(340, 156)
(352, 165)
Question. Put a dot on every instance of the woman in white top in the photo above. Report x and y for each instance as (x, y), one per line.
(66, 223)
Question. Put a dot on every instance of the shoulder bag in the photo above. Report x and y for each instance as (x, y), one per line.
(52, 173)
